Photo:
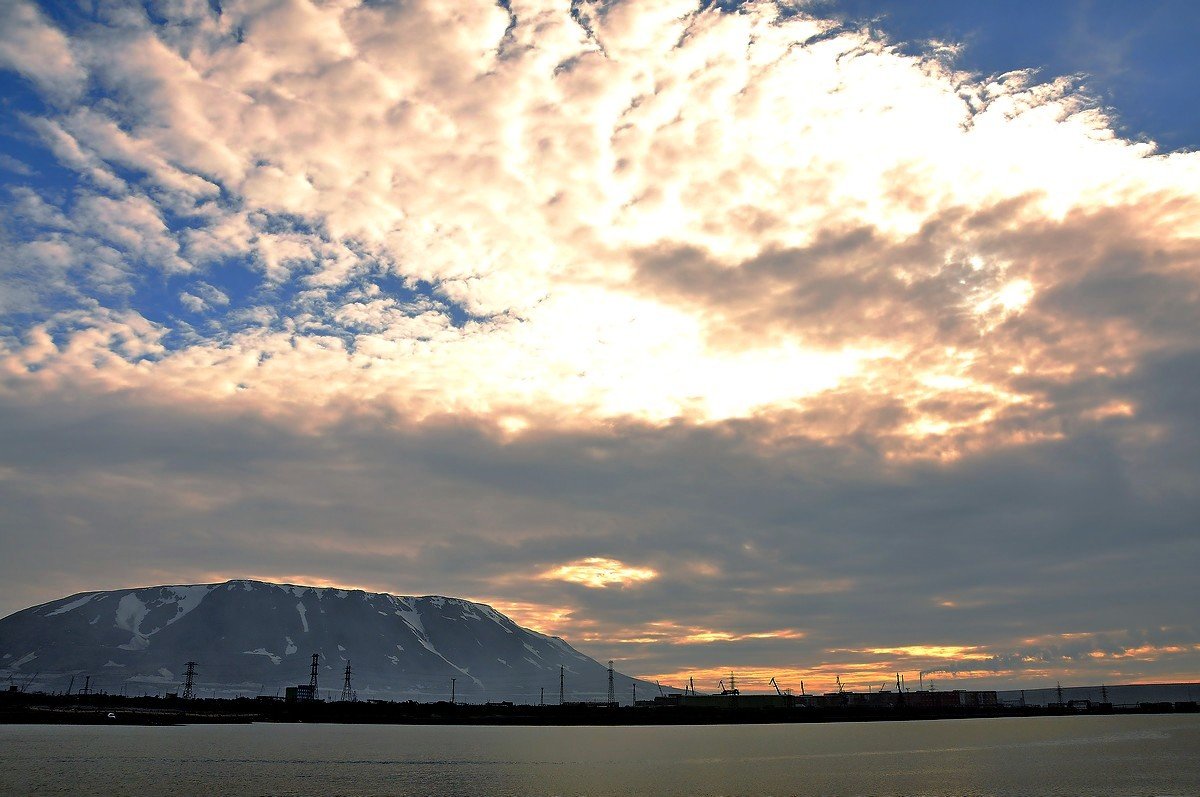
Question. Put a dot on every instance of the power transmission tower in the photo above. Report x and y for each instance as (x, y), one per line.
(612, 692)
(189, 681)
(87, 686)
(562, 684)
(312, 676)
(347, 692)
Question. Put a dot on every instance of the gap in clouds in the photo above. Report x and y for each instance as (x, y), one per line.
(1130, 57)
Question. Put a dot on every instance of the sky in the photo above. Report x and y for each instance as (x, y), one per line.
(800, 340)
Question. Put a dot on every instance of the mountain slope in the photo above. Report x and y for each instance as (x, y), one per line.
(252, 637)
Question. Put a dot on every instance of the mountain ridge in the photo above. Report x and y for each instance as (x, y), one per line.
(252, 636)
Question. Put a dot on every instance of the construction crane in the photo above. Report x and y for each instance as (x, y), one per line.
(781, 692)
(660, 689)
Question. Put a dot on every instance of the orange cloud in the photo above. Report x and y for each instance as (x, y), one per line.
(671, 633)
(597, 573)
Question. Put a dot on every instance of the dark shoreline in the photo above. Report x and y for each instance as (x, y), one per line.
(116, 710)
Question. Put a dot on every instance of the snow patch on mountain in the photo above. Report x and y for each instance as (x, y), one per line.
(413, 621)
(303, 615)
(73, 605)
(264, 652)
(188, 598)
(129, 615)
(498, 619)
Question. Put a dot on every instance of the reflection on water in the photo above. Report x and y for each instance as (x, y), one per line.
(1077, 756)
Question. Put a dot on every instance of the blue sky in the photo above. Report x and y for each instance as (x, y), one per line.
(705, 336)
(1134, 57)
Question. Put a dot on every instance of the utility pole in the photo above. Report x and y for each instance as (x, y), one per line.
(542, 699)
(312, 676)
(189, 681)
(453, 694)
(612, 692)
(347, 692)
(562, 684)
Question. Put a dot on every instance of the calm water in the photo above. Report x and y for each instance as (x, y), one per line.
(1086, 756)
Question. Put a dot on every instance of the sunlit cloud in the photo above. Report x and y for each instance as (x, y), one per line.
(545, 619)
(929, 651)
(451, 296)
(597, 573)
(659, 227)
(671, 633)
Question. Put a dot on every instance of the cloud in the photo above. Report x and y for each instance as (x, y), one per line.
(38, 51)
(671, 213)
(597, 572)
(857, 354)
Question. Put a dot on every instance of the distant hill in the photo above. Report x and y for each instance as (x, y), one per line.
(253, 637)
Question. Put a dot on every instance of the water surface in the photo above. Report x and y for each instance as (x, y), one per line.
(1106, 756)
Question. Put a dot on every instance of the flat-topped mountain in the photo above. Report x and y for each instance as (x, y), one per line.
(252, 637)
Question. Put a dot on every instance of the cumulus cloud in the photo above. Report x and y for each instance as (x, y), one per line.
(849, 288)
(652, 210)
